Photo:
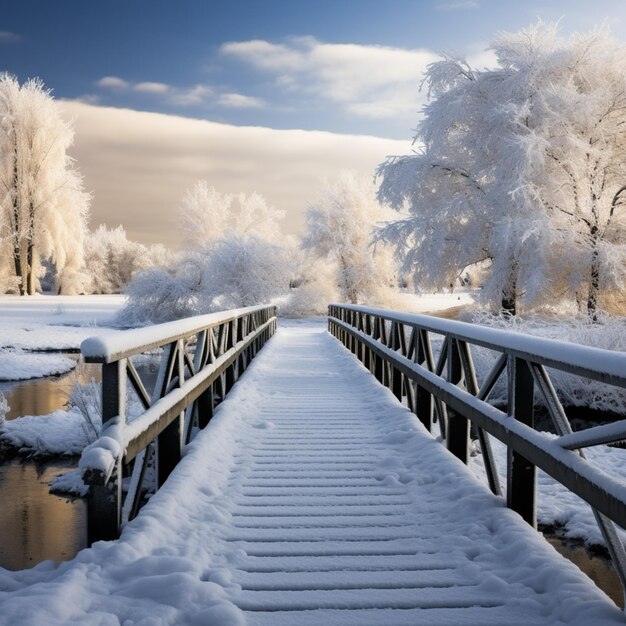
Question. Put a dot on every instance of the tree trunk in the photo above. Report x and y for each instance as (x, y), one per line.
(17, 261)
(350, 292)
(508, 303)
(593, 297)
(17, 243)
(30, 269)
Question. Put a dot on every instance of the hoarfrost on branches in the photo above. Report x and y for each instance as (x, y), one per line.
(340, 227)
(43, 207)
(235, 256)
(522, 167)
(111, 259)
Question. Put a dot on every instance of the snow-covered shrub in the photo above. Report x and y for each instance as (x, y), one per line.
(87, 399)
(236, 271)
(4, 408)
(160, 294)
(111, 259)
(236, 259)
(243, 271)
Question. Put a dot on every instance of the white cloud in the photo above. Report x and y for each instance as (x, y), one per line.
(459, 5)
(192, 96)
(369, 81)
(196, 95)
(239, 101)
(139, 164)
(266, 55)
(113, 82)
(7, 37)
(479, 57)
(148, 87)
(89, 98)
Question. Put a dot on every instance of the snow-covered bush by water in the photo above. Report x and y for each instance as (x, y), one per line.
(236, 271)
(111, 259)
(235, 256)
(64, 432)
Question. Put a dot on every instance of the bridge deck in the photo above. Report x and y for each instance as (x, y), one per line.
(313, 497)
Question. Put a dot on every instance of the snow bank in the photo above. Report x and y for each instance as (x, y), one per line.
(19, 365)
(54, 322)
(58, 433)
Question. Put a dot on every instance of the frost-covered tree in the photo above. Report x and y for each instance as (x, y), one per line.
(340, 226)
(523, 165)
(258, 218)
(204, 214)
(243, 270)
(236, 256)
(43, 207)
(111, 259)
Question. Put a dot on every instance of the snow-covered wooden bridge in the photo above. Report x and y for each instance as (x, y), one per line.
(313, 496)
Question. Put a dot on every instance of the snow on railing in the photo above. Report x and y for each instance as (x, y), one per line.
(398, 349)
(200, 359)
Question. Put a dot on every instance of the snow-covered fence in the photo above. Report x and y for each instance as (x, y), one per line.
(441, 385)
(201, 358)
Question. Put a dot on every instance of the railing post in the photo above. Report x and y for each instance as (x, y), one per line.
(231, 341)
(104, 503)
(204, 355)
(423, 399)
(395, 375)
(521, 473)
(458, 426)
(170, 440)
(378, 361)
(367, 353)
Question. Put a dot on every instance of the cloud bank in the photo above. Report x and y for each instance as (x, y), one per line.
(365, 80)
(138, 164)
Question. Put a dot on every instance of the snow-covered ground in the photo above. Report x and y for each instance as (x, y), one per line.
(21, 365)
(49, 323)
(254, 527)
(54, 322)
(435, 302)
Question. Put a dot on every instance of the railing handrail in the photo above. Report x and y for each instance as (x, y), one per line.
(201, 359)
(111, 347)
(565, 356)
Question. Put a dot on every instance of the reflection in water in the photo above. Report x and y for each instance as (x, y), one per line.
(597, 568)
(44, 395)
(35, 525)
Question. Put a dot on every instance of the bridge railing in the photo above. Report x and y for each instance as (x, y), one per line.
(200, 360)
(441, 385)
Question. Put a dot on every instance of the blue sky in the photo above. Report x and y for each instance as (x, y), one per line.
(236, 92)
(350, 66)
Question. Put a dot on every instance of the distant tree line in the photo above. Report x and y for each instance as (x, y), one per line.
(517, 183)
